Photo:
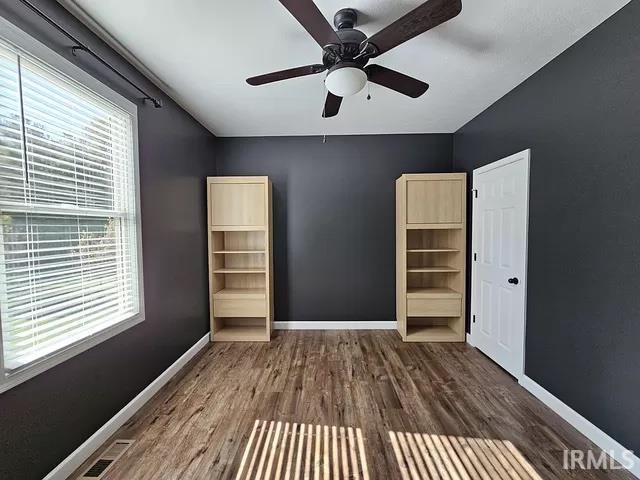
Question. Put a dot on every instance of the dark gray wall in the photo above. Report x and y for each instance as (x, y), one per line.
(334, 237)
(46, 418)
(580, 115)
(334, 216)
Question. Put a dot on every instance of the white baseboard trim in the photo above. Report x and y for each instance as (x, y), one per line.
(584, 426)
(335, 325)
(95, 441)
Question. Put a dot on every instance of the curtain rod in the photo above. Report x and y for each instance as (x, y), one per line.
(157, 103)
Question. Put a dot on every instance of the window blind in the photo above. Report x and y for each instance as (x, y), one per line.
(68, 246)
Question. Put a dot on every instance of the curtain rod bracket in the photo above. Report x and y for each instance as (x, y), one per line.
(157, 103)
(79, 46)
(75, 48)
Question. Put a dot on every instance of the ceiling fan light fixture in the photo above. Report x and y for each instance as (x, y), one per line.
(345, 80)
(346, 51)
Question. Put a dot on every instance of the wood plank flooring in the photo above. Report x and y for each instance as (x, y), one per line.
(197, 427)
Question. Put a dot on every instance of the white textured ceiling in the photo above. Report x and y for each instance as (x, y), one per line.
(203, 50)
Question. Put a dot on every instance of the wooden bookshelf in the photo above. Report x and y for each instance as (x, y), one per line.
(240, 258)
(430, 257)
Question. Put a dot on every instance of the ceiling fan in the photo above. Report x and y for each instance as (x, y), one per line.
(347, 51)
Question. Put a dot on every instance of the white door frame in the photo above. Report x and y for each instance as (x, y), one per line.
(523, 156)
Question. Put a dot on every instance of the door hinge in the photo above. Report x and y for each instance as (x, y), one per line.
(475, 257)
(475, 193)
(474, 319)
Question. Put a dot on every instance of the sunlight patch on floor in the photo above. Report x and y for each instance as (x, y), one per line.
(278, 450)
(447, 457)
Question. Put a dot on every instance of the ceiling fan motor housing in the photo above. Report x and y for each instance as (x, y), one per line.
(351, 40)
(344, 20)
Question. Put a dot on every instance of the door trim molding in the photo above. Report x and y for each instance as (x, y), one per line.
(523, 156)
(580, 423)
(516, 157)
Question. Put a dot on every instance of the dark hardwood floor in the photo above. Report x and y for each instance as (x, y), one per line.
(197, 426)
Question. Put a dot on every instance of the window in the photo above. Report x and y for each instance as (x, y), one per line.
(70, 271)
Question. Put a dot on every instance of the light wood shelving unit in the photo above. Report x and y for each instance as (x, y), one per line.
(240, 258)
(430, 257)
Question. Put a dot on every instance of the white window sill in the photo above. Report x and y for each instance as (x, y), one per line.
(12, 379)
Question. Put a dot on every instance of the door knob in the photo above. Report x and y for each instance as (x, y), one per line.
(514, 281)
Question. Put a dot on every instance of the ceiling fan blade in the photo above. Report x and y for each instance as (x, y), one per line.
(310, 17)
(331, 105)
(397, 81)
(425, 17)
(286, 74)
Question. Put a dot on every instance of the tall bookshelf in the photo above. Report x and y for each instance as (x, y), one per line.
(430, 257)
(240, 258)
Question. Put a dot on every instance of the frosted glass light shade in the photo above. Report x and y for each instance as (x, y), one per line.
(346, 81)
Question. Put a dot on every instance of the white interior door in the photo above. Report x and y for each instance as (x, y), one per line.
(499, 263)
